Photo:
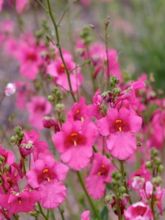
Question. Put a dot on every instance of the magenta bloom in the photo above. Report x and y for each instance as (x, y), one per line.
(29, 55)
(7, 157)
(38, 108)
(56, 69)
(31, 144)
(99, 57)
(120, 127)
(23, 93)
(138, 211)
(74, 142)
(99, 176)
(46, 177)
(1, 4)
(158, 129)
(85, 215)
(17, 202)
(21, 5)
(79, 111)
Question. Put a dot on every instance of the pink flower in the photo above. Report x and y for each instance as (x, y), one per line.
(74, 142)
(158, 194)
(85, 215)
(1, 4)
(79, 111)
(120, 127)
(57, 70)
(85, 2)
(38, 108)
(17, 202)
(31, 144)
(46, 177)
(21, 5)
(158, 129)
(138, 211)
(6, 156)
(139, 178)
(99, 176)
(52, 194)
(30, 61)
(24, 92)
(29, 55)
(99, 57)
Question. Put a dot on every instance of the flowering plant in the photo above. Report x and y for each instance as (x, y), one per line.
(87, 141)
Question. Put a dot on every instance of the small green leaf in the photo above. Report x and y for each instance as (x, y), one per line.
(104, 213)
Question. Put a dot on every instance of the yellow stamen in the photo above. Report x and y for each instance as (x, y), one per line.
(75, 143)
(45, 170)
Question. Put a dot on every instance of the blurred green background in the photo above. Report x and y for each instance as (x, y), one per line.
(137, 30)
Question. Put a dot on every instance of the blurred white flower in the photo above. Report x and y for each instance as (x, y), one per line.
(10, 89)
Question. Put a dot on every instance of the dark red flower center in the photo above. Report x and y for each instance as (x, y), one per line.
(31, 56)
(77, 115)
(61, 68)
(40, 107)
(139, 211)
(103, 170)
(46, 175)
(120, 125)
(75, 139)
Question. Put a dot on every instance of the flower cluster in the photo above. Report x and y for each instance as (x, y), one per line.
(107, 133)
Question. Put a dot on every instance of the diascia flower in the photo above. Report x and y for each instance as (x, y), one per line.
(99, 176)
(85, 215)
(47, 178)
(158, 129)
(17, 202)
(79, 111)
(20, 5)
(31, 144)
(38, 107)
(138, 211)
(56, 69)
(75, 141)
(120, 127)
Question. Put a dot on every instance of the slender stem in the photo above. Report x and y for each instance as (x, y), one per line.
(42, 212)
(125, 181)
(119, 210)
(52, 215)
(61, 213)
(16, 217)
(153, 204)
(106, 47)
(60, 49)
(87, 195)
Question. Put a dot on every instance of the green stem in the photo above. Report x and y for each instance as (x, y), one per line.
(61, 213)
(87, 195)
(52, 215)
(153, 204)
(42, 212)
(125, 181)
(119, 210)
(60, 49)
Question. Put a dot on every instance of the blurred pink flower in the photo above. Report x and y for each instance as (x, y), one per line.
(38, 107)
(138, 211)
(99, 176)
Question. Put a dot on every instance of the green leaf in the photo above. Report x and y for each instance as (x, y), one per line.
(104, 213)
